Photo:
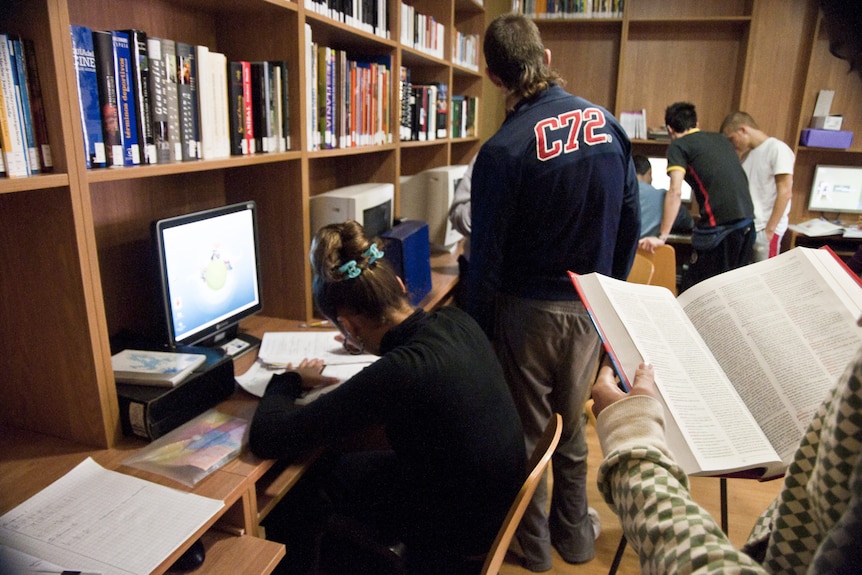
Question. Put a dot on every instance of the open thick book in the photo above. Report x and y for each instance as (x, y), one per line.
(742, 360)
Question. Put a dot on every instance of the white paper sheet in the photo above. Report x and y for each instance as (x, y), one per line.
(283, 347)
(97, 520)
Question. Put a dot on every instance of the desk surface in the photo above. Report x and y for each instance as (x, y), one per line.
(249, 486)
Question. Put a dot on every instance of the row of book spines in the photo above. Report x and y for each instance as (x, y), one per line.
(153, 100)
(424, 111)
(465, 50)
(465, 110)
(421, 32)
(570, 8)
(371, 16)
(23, 128)
(350, 99)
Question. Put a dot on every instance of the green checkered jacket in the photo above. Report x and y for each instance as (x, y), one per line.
(813, 526)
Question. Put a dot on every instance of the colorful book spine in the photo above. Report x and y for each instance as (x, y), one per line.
(19, 66)
(126, 98)
(103, 44)
(188, 101)
(14, 142)
(140, 67)
(37, 108)
(88, 96)
(442, 110)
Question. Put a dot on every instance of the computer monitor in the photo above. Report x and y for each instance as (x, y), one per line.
(369, 204)
(426, 196)
(836, 189)
(209, 270)
(661, 180)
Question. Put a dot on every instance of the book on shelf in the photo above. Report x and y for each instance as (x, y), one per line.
(634, 123)
(37, 108)
(19, 68)
(140, 69)
(280, 102)
(262, 107)
(159, 101)
(407, 102)
(126, 112)
(160, 368)
(12, 129)
(103, 44)
(742, 360)
(442, 112)
(187, 87)
(241, 111)
(84, 57)
(169, 59)
(212, 103)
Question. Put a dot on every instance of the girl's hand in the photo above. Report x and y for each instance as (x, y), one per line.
(310, 371)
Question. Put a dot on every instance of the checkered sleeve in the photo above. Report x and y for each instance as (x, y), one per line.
(649, 492)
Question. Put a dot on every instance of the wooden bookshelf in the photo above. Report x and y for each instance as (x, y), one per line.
(77, 265)
(767, 57)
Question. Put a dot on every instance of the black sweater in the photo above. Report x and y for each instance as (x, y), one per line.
(440, 394)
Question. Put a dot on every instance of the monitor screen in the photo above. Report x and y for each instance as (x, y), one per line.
(210, 275)
(661, 180)
(836, 189)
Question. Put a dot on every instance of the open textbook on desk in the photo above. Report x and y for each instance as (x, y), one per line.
(742, 360)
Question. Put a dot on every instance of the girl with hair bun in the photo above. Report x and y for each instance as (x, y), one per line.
(455, 455)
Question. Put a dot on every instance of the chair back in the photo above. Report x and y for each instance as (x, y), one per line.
(664, 262)
(642, 269)
(537, 465)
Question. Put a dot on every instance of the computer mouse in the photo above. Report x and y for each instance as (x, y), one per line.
(191, 559)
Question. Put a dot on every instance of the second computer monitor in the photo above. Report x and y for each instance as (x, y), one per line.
(661, 180)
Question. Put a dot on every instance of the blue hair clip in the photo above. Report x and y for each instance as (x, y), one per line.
(350, 270)
(373, 254)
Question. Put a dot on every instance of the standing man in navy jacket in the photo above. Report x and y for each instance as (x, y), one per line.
(553, 190)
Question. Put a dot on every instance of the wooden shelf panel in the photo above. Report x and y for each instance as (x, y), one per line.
(39, 182)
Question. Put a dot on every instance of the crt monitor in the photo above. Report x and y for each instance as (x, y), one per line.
(209, 269)
(836, 189)
(427, 196)
(369, 204)
(661, 180)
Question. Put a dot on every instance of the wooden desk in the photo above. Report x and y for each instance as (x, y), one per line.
(843, 247)
(30, 461)
(249, 486)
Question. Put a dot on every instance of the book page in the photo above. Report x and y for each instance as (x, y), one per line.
(783, 333)
(709, 417)
(93, 519)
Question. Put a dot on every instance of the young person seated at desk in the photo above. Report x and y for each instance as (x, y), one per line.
(814, 526)
(652, 203)
(457, 454)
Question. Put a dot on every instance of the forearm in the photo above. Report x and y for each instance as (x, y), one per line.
(649, 492)
(784, 185)
(672, 202)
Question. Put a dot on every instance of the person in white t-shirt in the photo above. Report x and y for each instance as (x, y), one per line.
(768, 163)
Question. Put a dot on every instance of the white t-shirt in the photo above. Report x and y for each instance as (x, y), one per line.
(762, 164)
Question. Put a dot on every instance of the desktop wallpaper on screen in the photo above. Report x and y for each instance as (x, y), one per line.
(211, 270)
